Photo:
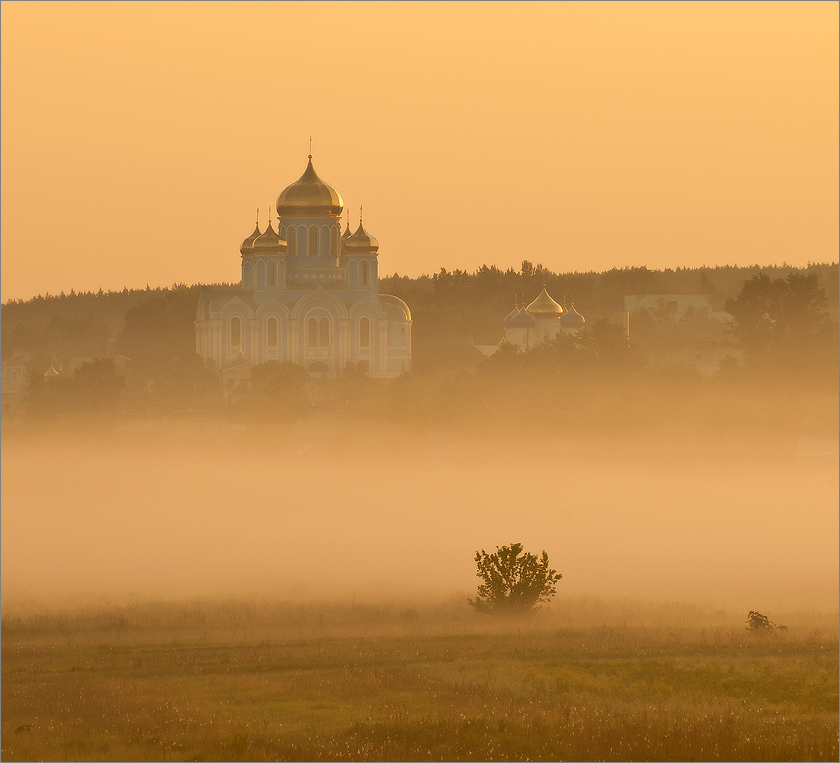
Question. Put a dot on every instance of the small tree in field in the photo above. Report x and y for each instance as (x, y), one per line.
(758, 623)
(514, 582)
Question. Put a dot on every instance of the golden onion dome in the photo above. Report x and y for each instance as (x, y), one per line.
(269, 242)
(522, 320)
(309, 197)
(248, 244)
(361, 242)
(572, 318)
(344, 237)
(506, 321)
(544, 306)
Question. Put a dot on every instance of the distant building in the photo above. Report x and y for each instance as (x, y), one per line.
(14, 381)
(543, 319)
(308, 295)
(674, 303)
(705, 354)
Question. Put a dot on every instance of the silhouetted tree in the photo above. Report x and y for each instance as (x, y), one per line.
(514, 582)
(778, 315)
(758, 623)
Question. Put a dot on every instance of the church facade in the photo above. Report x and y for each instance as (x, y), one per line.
(308, 295)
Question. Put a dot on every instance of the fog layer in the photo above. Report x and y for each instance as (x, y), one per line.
(320, 518)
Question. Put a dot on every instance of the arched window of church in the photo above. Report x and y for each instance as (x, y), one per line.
(312, 332)
(313, 241)
(271, 274)
(292, 241)
(334, 241)
(363, 273)
(325, 332)
(364, 332)
(271, 331)
(235, 331)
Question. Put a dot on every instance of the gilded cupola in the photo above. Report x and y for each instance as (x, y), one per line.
(269, 242)
(361, 242)
(572, 318)
(309, 196)
(521, 320)
(248, 244)
(509, 316)
(544, 306)
(345, 235)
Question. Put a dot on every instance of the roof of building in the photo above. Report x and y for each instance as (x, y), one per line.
(572, 318)
(361, 242)
(248, 244)
(544, 306)
(269, 242)
(522, 320)
(309, 196)
(506, 321)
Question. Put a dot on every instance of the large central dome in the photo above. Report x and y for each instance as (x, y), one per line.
(309, 197)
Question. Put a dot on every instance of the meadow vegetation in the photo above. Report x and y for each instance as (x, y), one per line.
(262, 680)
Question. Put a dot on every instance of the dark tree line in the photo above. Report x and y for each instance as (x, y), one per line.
(783, 317)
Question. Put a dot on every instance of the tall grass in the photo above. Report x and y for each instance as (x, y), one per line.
(261, 681)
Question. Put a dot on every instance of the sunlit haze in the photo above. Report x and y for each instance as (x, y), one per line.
(138, 139)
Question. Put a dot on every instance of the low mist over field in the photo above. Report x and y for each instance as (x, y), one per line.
(309, 515)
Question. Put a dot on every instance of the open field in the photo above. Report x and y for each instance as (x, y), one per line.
(259, 680)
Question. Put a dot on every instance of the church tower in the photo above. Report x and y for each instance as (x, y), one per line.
(308, 295)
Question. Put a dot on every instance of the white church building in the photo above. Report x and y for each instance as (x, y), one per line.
(543, 319)
(308, 295)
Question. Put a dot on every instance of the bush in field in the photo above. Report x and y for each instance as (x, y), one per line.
(758, 623)
(514, 582)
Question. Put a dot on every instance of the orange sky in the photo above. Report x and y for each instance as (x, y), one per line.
(138, 138)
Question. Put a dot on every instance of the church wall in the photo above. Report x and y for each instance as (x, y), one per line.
(320, 342)
(546, 329)
(523, 338)
(355, 269)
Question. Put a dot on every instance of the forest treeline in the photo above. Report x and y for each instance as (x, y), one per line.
(134, 350)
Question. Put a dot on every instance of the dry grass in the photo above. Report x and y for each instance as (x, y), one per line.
(264, 681)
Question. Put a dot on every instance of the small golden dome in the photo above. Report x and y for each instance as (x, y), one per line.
(544, 306)
(248, 244)
(572, 318)
(344, 237)
(309, 197)
(361, 242)
(522, 320)
(269, 242)
(507, 319)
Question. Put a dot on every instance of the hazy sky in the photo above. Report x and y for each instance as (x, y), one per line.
(138, 138)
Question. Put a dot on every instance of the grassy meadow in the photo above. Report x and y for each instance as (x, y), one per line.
(584, 680)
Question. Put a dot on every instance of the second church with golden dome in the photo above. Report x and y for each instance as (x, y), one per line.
(308, 295)
(543, 319)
